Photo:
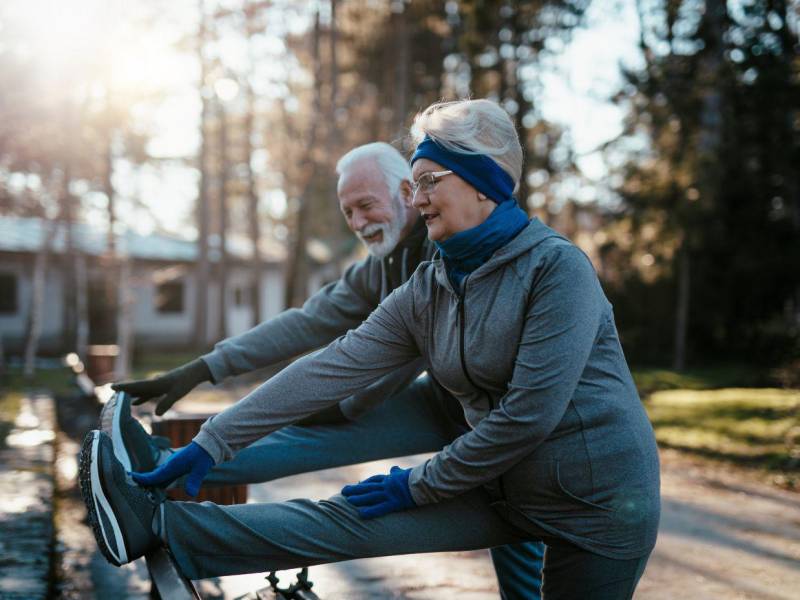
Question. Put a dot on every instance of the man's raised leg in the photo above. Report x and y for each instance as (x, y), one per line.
(410, 422)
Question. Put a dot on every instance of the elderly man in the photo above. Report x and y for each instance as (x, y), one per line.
(381, 421)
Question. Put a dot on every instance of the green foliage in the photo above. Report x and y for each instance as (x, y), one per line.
(745, 426)
(718, 103)
(654, 379)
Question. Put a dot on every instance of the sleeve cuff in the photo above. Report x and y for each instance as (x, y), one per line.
(208, 439)
(417, 487)
(216, 366)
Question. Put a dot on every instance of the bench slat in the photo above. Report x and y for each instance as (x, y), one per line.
(168, 582)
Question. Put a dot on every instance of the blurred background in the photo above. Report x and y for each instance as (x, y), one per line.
(167, 180)
(153, 154)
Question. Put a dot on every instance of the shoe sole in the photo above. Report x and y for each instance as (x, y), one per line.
(110, 423)
(97, 503)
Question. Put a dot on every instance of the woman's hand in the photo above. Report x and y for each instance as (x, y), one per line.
(381, 494)
(192, 459)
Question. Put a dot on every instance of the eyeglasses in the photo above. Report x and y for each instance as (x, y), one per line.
(427, 181)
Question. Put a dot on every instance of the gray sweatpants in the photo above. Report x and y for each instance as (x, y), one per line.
(210, 540)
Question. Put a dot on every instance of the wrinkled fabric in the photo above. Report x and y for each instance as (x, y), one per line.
(558, 434)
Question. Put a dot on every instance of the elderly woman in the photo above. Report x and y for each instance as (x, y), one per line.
(512, 320)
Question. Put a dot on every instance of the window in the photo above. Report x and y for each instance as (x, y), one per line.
(243, 296)
(169, 297)
(8, 293)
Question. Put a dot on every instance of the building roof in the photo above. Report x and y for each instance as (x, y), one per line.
(26, 234)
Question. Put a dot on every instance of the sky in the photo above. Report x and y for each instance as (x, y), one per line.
(575, 81)
(586, 73)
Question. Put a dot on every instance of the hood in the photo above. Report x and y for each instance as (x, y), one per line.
(527, 239)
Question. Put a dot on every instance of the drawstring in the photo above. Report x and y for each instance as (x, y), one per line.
(404, 269)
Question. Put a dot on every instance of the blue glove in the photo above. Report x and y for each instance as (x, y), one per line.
(192, 459)
(381, 494)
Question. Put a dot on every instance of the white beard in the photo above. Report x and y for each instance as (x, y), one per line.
(391, 232)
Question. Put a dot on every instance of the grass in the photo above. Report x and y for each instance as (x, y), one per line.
(654, 379)
(710, 413)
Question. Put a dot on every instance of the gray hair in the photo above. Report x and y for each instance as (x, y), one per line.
(394, 167)
(473, 127)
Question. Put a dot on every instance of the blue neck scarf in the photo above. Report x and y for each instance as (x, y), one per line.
(467, 250)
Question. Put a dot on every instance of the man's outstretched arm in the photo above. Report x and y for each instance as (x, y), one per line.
(381, 345)
(332, 311)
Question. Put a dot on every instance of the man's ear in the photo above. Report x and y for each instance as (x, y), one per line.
(405, 193)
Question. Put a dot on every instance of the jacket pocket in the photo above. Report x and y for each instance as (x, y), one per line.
(562, 488)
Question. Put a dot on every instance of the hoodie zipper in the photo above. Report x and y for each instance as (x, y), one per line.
(462, 301)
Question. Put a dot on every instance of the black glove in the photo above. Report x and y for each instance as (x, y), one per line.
(168, 388)
(331, 415)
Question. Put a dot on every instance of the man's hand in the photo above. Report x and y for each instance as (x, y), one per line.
(168, 388)
(381, 494)
(192, 459)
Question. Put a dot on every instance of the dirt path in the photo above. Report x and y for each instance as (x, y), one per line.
(724, 535)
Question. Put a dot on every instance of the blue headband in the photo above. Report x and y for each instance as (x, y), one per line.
(480, 171)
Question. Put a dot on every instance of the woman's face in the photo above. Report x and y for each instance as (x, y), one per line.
(451, 206)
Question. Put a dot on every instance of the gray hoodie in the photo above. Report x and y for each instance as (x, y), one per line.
(531, 351)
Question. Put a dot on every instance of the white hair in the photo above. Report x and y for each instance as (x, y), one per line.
(394, 167)
(473, 127)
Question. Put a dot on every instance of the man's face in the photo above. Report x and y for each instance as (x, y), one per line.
(370, 211)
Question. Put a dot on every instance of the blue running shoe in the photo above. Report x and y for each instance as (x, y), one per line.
(120, 512)
(136, 449)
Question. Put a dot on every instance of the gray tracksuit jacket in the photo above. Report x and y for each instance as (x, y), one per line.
(339, 306)
(530, 350)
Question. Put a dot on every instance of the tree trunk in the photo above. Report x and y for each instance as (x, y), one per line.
(125, 302)
(254, 228)
(36, 310)
(682, 312)
(401, 71)
(222, 271)
(108, 187)
(81, 306)
(202, 271)
(2, 362)
(296, 263)
(68, 308)
(334, 70)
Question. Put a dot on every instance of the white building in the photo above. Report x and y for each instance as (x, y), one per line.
(163, 284)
